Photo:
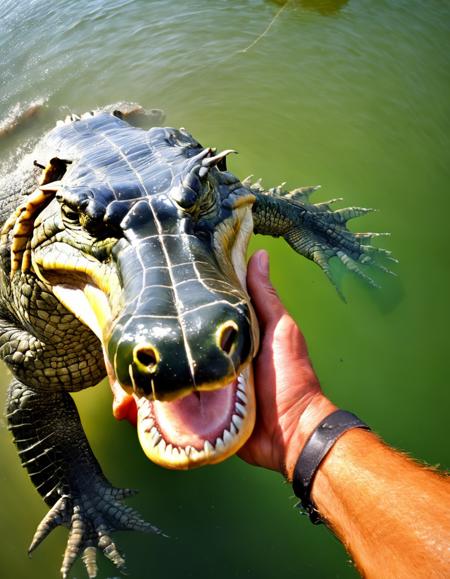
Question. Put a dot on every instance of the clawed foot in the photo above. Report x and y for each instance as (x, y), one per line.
(91, 518)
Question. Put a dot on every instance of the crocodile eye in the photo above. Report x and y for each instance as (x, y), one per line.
(69, 214)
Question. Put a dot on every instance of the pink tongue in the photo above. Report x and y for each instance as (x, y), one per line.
(195, 418)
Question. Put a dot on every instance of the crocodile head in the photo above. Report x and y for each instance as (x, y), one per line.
(143, 237)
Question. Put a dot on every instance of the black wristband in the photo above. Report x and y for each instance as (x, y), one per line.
(315, 450)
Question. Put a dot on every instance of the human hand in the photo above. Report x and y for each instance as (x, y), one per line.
(289, 399)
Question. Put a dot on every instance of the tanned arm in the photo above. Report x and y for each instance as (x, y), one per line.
(391, 514)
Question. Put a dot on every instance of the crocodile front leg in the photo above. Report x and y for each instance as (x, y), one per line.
(53, 448)
(314, 230)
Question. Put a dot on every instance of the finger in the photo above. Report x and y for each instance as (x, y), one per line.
(268, 306)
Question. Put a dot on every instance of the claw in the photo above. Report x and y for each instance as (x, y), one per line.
(139, 524)
(370, 235)
(110, 550)
(327, 204)
(384, 269)
(351, 265)
(126, 518)
(90, 561)
(75, 541)
(91, 518)
(321, 259)
(344, 215)
(302, 194)
(380, 251)
(56, 516)
(367, 259)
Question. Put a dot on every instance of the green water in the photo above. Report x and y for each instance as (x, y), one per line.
(352, 95)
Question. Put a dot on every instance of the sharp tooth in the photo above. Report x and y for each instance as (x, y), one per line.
(161, 446)
(183, 453)
(208, 447)
(237, 421)
(227, 438)
(195, 454)
(233, 429)
(169, 449)
(155, 436)
(241, 385)
(219, 444)
(175, 453)
(241, 408)
(241, 396)
(147, 424)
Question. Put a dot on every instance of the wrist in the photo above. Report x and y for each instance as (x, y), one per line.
(318, 408)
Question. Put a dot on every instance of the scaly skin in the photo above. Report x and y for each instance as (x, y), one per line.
(150, 230)
(315, 231)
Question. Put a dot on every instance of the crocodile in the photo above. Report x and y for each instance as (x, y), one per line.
(123, 254)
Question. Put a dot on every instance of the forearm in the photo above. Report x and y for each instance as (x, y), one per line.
(392, 515)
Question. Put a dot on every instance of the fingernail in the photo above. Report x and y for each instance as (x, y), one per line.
(263, 262)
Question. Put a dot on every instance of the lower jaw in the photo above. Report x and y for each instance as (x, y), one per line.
(187, 450)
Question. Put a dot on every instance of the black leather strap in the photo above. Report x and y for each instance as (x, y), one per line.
(315, 450)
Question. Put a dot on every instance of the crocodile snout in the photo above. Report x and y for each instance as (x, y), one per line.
(165, 359)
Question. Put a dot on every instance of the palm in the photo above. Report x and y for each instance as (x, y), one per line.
(285, 382)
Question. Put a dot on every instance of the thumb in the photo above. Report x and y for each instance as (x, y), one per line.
(268, 306)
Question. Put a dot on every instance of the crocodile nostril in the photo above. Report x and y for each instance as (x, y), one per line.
(227, 336)
(146, 357)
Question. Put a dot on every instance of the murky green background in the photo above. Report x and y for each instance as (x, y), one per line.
(350, 94)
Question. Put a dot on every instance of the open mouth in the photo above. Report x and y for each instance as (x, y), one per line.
(204, 427)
